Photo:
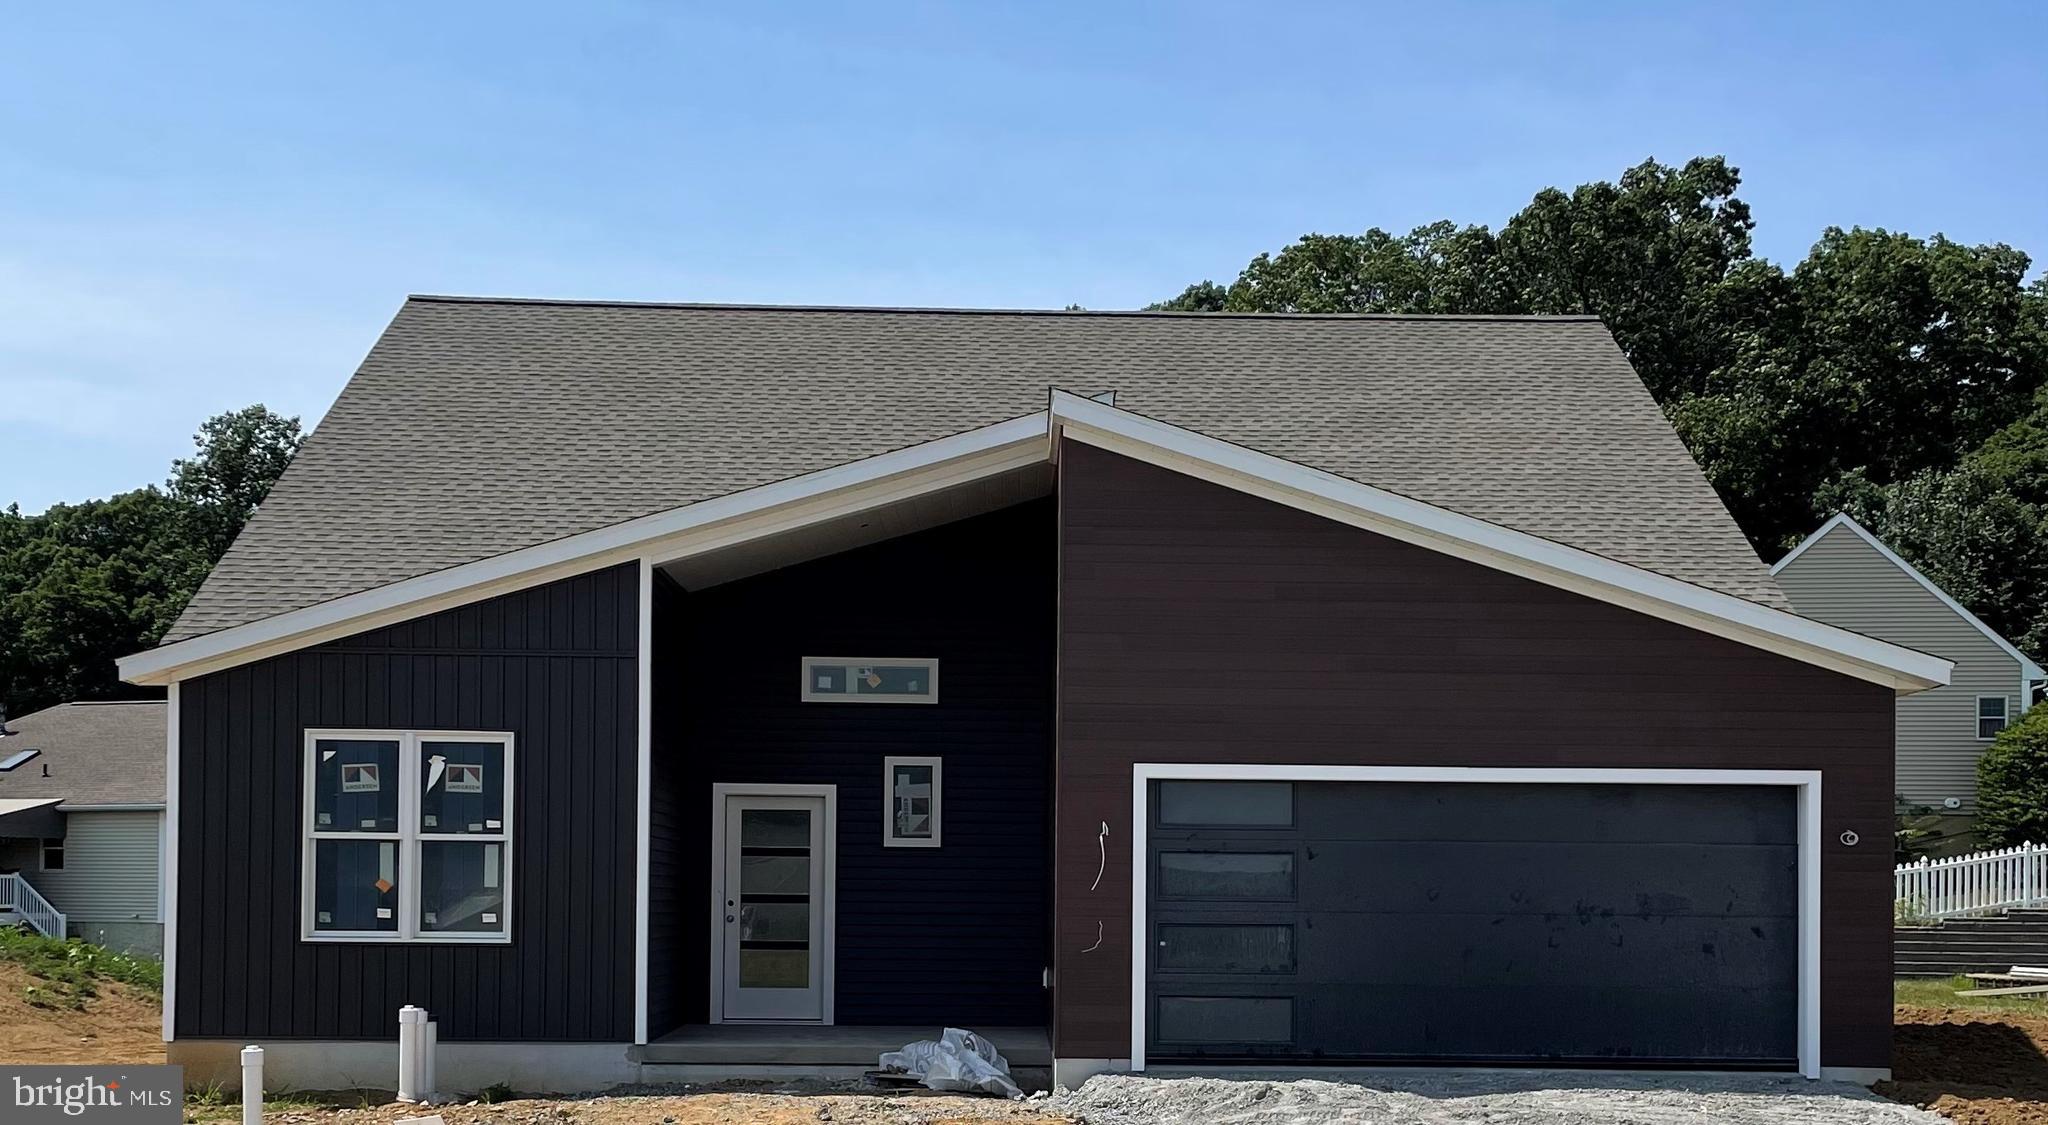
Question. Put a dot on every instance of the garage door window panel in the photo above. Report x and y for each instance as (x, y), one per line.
(1227, 876)
(1225, 948)
(1226, 804)
(1225, 1021)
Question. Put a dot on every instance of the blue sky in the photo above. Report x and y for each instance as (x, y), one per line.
(206, 206)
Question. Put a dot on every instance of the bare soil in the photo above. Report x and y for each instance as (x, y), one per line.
(1977, 1067)
(119, 1025)
(725, 1104)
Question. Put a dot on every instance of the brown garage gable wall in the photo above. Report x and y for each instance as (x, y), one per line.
(1199, 624)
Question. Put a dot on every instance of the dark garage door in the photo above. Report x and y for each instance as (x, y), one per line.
(1395, 921)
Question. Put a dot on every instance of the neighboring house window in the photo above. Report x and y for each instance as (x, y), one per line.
(408, 836)
(53, 855)
(1990, 715)
(912, 786)
(840, 679)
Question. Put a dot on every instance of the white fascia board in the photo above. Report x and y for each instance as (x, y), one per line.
(1530, 556)
(2028, 669)
(663, 537)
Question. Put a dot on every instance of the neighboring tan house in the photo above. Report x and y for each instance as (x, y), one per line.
(1844, 575)
(656, 690)
(82, 820)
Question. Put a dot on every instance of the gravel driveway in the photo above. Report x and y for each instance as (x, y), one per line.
(1494, 1097)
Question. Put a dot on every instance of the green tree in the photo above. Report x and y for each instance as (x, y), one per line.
(1647, 255)
(241, 454)
(83, 584)
(2012, 784)
(1202, 296)
(1875, 368)
(1979, 530)
(1439, 268)
(1880, 357)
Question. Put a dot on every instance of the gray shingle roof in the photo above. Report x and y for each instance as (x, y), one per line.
(476, 427)
(91, 754)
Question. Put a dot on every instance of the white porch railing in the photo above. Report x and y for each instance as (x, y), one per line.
(18, 897)
(1978, 883)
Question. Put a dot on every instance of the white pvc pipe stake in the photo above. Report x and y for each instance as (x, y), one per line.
(252, 1085)
(430, 1046)
(410, 1022)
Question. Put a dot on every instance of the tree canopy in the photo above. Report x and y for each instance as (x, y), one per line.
(82, 584)
(1896, 377)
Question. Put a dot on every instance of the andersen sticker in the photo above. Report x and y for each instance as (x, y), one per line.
(87, 1095)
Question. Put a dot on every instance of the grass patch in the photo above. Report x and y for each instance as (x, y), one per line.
(214, 1102)
(70, 969)
(1940, 992)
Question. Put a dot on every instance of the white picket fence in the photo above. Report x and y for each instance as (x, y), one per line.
(1978, 883)
(20, 900)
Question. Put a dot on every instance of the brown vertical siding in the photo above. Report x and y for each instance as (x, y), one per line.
(1199, 624)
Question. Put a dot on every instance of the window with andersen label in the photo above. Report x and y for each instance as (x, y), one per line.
(408, 836)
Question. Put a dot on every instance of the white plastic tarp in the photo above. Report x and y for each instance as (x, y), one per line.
(958, 1060)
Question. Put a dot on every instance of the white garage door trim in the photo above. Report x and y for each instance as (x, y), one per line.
(1806, 781)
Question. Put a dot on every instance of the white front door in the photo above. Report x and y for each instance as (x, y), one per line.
(773, 895)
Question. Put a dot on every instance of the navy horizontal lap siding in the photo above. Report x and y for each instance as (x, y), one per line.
(954, 934)
(555, 665)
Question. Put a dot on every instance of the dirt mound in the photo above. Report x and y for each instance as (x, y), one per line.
(119, 1025)
(1982, 1068)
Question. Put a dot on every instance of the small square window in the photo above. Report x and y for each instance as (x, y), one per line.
(841, 679)
(912, 794)
(53, 855)
(1991, 715)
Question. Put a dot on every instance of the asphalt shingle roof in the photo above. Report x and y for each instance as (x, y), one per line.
(90, 754)
(480, 426)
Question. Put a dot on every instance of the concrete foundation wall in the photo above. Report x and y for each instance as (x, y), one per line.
(462, 1068)
(142, 938)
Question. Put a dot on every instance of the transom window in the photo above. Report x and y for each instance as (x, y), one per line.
(408, 836)
(870, 679)
(1991, 715)
(912, 793)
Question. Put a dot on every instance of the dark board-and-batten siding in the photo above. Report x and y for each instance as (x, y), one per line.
(555, 665)
(926, 936)
(1200, 624)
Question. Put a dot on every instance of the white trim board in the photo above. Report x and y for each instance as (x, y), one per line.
(167, 865)
(1501, 548)
(1807, 781)
(693, 529)
(643, 800)
(2029, 671)
(923, 469)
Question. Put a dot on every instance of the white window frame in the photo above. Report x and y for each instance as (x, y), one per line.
(1977, 717)
(809, 694)
(43, 854)
(889, 837)
(410, 837)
